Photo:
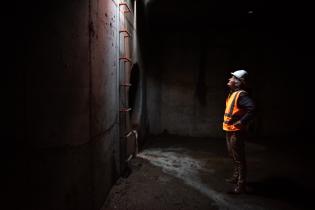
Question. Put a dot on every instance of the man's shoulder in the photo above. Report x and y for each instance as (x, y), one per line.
(243, 92)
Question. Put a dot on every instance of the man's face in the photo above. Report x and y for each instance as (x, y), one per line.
(232, 83)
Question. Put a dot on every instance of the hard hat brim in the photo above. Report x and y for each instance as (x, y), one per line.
(241, 79)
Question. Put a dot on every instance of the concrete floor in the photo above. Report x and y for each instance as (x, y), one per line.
(188, 173)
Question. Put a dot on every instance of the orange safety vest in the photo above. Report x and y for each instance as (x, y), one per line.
(232, 112)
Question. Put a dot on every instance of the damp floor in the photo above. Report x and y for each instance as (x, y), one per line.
(183, 173)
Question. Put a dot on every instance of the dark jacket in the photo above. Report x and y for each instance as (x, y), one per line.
(246, 103)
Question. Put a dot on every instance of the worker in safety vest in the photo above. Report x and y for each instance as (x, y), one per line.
(238, 112)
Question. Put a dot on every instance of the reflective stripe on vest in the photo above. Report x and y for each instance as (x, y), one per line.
(232, 112)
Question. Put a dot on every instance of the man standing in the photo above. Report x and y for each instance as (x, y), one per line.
(238, 112)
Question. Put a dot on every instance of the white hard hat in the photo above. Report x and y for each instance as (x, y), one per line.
(239, 74)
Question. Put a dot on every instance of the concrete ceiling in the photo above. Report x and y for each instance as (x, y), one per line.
(224, 11)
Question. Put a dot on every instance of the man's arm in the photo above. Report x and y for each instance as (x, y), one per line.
(246, 103)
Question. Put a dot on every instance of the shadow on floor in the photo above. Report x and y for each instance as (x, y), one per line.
(283, 189)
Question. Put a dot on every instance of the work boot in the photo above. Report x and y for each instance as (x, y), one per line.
(234, 178)
(238, 189)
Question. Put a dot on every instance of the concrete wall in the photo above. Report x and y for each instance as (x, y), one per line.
(185, 87)
(68, 103)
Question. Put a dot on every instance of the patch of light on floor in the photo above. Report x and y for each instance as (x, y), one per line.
(176, 162)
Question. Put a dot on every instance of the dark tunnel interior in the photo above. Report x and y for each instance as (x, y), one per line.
(201, 43)
(94, 80)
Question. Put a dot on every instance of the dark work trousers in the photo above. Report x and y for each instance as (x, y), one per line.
(236, 150)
